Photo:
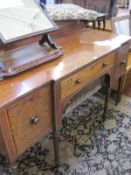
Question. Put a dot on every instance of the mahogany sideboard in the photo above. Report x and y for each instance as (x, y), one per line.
(32, 103)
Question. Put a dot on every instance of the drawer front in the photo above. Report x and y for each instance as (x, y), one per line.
(121, 62)
(79, 79)
(30, 117)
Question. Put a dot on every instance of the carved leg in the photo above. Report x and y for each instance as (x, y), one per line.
(14, 168)
(120, 89)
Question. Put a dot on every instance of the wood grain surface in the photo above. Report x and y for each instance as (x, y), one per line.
(80, 49)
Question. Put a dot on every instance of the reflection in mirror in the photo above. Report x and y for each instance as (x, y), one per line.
(21, 19)
(122, 25)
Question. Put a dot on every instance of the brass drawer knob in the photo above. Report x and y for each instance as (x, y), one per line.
(77, 81)
(34, 120)
(104, 65)
(123, 62)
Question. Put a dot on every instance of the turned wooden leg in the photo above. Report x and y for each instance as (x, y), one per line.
(14, 168)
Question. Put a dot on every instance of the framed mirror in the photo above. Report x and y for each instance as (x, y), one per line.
(20, 19)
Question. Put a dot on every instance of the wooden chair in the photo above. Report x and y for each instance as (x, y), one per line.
(122, 25)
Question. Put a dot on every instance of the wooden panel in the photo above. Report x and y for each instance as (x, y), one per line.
(30, 117)
(127, 88)
(7, 147)
(129, 62)
(2, 143)
(121, 63)
(79, 79)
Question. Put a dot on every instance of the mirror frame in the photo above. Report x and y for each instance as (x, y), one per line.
(55, 27)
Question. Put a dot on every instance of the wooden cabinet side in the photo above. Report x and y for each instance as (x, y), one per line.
(120, 64)
(7, 147)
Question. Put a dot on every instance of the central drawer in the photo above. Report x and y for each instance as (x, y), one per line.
(78, 80)
(30, 118)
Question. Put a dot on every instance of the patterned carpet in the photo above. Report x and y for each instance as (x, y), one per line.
(88, 145)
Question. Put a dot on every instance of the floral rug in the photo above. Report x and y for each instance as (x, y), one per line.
(88, 146)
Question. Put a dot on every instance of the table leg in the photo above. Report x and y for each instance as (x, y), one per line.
(56, 114)
(120, 89)
(107, 96)
(54, 128)
(14, 168)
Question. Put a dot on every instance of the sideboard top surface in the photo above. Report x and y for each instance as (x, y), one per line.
(80, 49)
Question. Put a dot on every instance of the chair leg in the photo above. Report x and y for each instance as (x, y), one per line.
(99, 24)
(104, 23)
(94, 25)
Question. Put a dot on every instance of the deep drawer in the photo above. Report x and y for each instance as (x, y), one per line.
(30, 117)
